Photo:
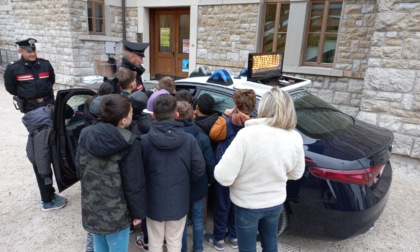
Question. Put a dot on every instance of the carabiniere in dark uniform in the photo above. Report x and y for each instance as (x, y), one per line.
(30, 81)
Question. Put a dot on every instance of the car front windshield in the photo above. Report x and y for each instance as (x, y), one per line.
(318, 119)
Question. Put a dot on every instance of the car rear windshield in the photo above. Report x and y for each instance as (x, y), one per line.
(318, 119)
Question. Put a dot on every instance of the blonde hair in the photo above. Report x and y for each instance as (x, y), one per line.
(278, 107)
(184, 110)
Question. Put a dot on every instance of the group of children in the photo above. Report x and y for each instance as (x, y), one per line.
(150, 160)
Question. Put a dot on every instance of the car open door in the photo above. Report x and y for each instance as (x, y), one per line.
(68, 123)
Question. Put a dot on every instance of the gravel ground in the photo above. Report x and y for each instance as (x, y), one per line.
(24, 227)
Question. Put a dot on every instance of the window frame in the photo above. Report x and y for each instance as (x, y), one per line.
(319, 62)
(276, 23)
(92, 3)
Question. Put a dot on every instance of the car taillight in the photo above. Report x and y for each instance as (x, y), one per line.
(360, 177)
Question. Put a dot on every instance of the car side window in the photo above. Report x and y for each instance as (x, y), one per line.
(77, 104)
(223, 101)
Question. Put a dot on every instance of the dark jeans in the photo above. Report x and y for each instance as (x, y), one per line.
(265, 220)
(224, 213)
(47, 191)
(197, 217)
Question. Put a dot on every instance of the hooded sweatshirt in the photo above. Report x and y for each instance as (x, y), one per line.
(171, 159)
(112, 178)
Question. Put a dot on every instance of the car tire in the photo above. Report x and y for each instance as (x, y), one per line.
(283, 222)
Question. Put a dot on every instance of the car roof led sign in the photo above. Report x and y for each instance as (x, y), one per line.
(263, 67)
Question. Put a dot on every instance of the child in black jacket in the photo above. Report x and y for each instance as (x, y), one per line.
(172, 158)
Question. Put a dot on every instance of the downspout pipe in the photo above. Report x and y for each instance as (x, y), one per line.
(124, 33)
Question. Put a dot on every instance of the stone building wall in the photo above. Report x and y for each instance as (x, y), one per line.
(356, 29)
(57, 25)
(8, 51)
(226, 35)
(391, 94)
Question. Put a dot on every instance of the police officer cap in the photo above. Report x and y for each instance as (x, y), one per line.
(137, 48)
(27, 44)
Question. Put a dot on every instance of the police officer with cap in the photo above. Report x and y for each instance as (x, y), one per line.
(133, 55)
(30, 78)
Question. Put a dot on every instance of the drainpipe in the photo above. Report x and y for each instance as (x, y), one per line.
(124, 34)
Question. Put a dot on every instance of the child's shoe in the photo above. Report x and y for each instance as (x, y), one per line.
(218, 245)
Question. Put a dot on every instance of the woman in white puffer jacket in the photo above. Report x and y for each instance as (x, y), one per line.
(256, 166)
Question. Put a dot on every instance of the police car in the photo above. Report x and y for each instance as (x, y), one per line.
(347, 178)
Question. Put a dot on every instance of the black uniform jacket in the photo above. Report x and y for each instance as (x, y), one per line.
(30, 80)
(138, 69)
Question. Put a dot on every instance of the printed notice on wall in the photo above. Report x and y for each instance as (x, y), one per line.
(185, 46)
(185, 65)
(165, 34)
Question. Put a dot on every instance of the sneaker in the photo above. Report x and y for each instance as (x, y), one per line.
(218, 245)
(141, 244)
(233, 242)
(57, 202)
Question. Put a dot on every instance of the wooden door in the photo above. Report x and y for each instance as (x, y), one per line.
(170, 44)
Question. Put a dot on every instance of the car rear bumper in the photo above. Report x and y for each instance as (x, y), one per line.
(331, 216)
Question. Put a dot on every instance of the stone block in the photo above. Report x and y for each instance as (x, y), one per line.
(355, 103)
(386, 52)
(407, 101)
(410, 129)
(390, 122)
(364, 44)
(392, 80)
(368, 117)
(388, 96)
(352, 9)
(202, 53)
(414, 64)
(235, 38)
(393, 42)
(409, 116)
(372, 62)
(356, 66)
(367, 8)
(395, 63)
(317, 84)
(411, 48)
(415, 152)
(402, 144)
(355, 85)
(232, 56)
(374, 105)
(243, 55)
(391, 21)
(342, 98)
(339, 85)
(391, 34)
(414, 22)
